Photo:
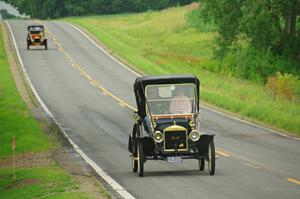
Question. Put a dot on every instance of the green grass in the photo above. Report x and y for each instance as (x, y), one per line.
(15, 119)
(48, 182)
(163, 43)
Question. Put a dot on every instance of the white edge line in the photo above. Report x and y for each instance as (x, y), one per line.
(250, 123)
(210, 109)
(115, 186)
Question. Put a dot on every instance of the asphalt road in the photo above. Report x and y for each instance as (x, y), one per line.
(252, 162)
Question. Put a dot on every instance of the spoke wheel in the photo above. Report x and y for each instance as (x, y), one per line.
(201, 163)
(211, 158)
(140, 155)
(132, 144)
(134, 163)
(46, 45)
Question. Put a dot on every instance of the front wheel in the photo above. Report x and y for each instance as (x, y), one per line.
(134, 163)
(133, 149)
(201, 163)
(46, 45)
(211, 156)
(140, 154)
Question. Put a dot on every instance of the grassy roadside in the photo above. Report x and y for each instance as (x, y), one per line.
(37, 173)
(162, 43)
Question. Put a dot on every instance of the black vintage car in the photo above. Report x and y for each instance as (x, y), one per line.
(36, 36)
(166, 123)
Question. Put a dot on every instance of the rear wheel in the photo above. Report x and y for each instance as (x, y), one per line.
(28, 45)
(140, 154)
(211, 156)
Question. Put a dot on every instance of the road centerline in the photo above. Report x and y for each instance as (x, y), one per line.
(85, 74)
(293, 181)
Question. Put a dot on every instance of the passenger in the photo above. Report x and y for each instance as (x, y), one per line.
(180, 103)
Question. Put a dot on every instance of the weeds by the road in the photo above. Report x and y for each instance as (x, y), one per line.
(163, 43)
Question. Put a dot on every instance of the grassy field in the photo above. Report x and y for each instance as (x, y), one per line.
(49, 181)
(163, 43)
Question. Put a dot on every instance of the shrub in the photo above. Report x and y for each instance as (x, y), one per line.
(248, 63)
(195, 20)
(284, 86)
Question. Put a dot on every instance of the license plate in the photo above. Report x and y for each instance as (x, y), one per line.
(175, 159)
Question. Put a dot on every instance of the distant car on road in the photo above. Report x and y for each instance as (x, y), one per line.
(167, 126)
(36, 36)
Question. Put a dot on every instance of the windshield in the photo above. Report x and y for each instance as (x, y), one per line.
(36, 29)
(171, 98)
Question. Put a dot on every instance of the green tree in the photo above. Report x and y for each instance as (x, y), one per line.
(44, 9)
(268, 24)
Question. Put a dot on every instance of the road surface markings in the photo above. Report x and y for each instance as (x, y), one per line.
(86, 75)
(121, 104)
(221, 152)
(293, 181)
(251, 165)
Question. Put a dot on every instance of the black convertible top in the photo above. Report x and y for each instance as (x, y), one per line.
(164, 79)
(33, 26)
(141, 82)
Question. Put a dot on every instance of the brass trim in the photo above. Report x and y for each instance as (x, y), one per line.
(172, 129)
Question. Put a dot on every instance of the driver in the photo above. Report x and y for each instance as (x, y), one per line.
(180, 103)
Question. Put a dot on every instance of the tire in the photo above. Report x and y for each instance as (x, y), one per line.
(201, 163)
(132, 146)
(140, 154)
(211, 157)
(46, 45)
(134, 163)
(28, 45)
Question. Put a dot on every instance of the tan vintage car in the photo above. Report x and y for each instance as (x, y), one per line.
(36, 36)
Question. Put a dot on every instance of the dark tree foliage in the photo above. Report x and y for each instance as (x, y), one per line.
(270, 25)
(6, 15)
(44, 9)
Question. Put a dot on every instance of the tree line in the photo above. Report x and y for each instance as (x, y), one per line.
(44, 9)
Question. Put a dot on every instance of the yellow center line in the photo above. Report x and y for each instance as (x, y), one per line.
(225, 154)
(122, 105)
(293, 181)
(85, 74)
(251, 165)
